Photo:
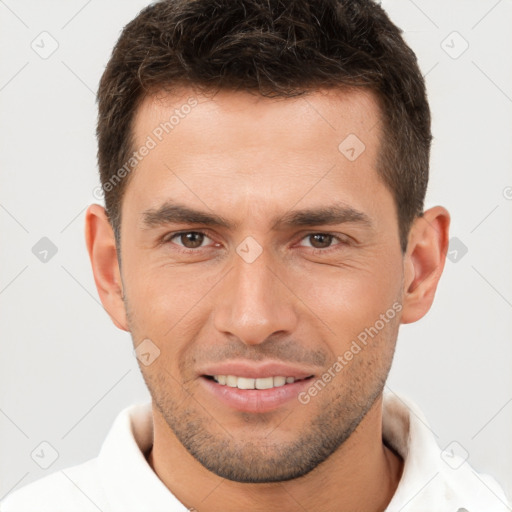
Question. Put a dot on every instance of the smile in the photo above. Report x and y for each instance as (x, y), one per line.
(254, 395)
(248, 383)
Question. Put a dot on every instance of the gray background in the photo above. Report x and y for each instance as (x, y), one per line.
(66, 371)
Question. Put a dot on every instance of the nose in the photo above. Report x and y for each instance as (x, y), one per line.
(254, 302)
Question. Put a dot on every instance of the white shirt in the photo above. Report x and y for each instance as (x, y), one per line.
(121, 480)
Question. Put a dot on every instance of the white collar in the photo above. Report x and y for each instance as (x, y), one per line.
(433, 480)
(428, 483)
(128, 480)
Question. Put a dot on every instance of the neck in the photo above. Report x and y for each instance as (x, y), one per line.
(362, 474)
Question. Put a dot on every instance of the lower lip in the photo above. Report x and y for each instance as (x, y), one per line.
(255, 400)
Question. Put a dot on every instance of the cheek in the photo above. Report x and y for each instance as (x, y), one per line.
(348, 300)
(167, 303)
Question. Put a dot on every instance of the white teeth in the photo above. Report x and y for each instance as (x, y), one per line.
(279, 381)
(245, 383)
(248, 383)
(231, 381)
(266, 383)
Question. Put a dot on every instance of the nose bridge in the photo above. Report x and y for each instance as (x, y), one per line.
(254, 302)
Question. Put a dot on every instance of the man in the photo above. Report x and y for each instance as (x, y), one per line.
(264, 165)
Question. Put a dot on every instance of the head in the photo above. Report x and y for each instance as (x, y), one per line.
(264, 167)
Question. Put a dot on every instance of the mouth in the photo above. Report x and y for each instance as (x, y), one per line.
(234, 381)
(254, 394)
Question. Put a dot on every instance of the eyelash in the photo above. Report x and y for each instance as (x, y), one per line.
(167, 239)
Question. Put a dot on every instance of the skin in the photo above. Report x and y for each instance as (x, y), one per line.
(252, 160)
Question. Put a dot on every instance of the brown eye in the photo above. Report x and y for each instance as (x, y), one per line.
(190, 239)
(320, 240)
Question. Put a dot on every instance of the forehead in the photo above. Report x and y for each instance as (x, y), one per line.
(241, 118)
(234, 146)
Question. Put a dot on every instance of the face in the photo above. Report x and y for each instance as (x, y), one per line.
(257, 253)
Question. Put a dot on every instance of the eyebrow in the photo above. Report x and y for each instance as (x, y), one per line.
(170, 212)
(328, 215)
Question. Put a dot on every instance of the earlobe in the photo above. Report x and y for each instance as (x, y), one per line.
(424, 262)
(100, 241)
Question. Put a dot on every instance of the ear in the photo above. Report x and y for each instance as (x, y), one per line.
(424, 262)
(99, 237)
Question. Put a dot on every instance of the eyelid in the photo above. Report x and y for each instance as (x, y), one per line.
(341, 238)
(168, 237)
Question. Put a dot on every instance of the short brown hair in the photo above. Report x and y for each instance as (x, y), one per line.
(274, 48)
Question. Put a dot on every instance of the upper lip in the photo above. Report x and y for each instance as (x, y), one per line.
(253, 370)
